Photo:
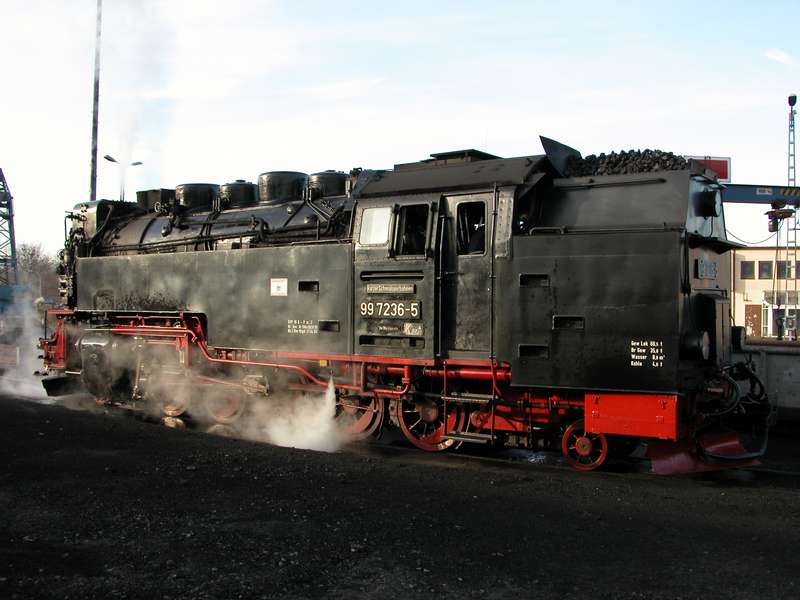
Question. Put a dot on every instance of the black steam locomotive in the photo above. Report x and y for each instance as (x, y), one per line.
(463, 298)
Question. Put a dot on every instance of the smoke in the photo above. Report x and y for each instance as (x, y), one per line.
(295, 421)
(21, 325)
(136, 50)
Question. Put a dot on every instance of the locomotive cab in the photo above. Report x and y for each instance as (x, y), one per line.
(394, 276)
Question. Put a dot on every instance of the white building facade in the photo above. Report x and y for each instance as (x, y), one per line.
(765, 291)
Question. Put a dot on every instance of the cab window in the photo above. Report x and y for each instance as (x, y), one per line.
(375, 226)
(471, 228)
(412, 227)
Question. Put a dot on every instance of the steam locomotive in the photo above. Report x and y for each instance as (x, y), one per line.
(465, 298)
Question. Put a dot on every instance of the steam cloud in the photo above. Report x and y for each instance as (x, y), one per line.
(284, 419)
(20, 327)
(297, 421)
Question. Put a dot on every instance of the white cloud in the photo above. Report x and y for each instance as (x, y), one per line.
(339, 90)
(197, 93)
(779, 56)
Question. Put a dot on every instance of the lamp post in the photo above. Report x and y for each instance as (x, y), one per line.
(123, 168)
(96, 102)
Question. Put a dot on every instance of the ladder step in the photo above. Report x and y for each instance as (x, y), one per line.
(484, 438)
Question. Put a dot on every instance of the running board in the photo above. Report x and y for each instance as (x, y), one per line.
(478, 438)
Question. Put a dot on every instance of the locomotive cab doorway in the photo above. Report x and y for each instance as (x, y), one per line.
(394, 277)
(465, 278)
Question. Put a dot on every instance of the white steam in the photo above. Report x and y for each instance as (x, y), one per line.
(20, 329)
(295, 421)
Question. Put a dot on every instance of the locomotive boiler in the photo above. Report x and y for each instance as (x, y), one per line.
(465, 298)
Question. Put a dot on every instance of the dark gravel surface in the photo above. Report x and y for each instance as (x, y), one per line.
(107, 506)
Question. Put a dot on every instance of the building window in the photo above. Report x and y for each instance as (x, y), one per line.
(471, 228)
(779, 318)
(765, 269)
(375, 226)
(413, 227)
(797, 269)
(781, 298)
(782, 269)
(748, 269)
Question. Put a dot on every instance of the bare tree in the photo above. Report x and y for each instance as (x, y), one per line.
(37, 270)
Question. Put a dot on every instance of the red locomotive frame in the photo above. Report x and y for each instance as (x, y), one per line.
(503, 411)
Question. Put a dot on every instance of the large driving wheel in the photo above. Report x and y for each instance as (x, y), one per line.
(359, 416)
(584, 451)
(423, 422)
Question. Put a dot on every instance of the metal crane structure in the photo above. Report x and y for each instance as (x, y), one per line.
(784, 203)
(8, 246)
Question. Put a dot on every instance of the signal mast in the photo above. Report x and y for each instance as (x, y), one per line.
(787, 324)
(790, 322)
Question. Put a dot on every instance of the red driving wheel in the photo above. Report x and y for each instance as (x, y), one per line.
(585, 451)
(422, 421)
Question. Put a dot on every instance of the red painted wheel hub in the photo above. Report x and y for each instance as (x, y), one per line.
(583, 446)
(584, 450)
(428, 411)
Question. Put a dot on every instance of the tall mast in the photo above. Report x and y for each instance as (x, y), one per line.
(789, 328)
(96, 103)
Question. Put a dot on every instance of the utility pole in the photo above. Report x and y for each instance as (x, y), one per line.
(93, 183)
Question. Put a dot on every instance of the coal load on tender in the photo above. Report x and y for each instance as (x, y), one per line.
(624, 163)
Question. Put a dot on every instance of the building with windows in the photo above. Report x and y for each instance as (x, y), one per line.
(764, 290)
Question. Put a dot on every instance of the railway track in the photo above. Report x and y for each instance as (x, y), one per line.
(777, 469)
(772, 472)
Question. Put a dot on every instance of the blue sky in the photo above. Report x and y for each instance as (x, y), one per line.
(211, 91)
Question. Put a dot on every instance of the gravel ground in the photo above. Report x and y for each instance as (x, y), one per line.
(107, 506)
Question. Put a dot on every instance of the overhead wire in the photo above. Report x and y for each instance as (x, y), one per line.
(737, 238)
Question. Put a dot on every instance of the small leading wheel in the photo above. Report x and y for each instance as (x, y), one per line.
(175, 407)
(174, 400)
(422, 421)
(584, 451)
(225, 406)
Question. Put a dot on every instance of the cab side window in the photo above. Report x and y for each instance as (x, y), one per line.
(471, 228)
(375, 226)
(412, 227)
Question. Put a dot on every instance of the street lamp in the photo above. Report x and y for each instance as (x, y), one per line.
(110, 158)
